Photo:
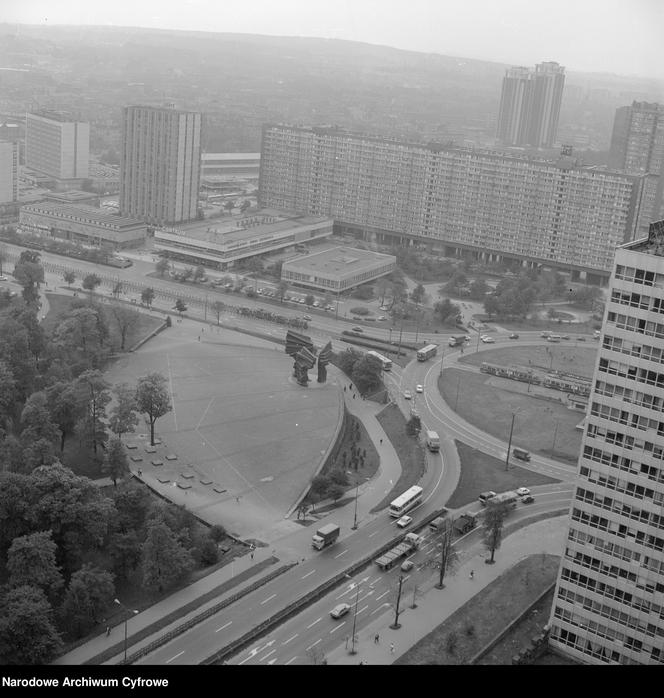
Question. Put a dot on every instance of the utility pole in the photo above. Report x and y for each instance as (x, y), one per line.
(357, 596)
(396, 625)
(205, 309)
(509, 444)
(442, 356)
(456, 400)
(555, 433)
(444, 554)
(354, 526)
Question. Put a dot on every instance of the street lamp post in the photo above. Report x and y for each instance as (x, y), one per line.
(354, 526)
(357, 598)
(555, 433)
(456, 400)
(128, 610)
(509, 443)
(396, 625)
(477, 346)
(442, 356)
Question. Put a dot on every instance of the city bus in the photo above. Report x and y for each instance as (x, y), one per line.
(384, 361)
(427, 352)
(403, 503)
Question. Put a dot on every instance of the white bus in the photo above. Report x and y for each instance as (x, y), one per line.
(384, 361)
(427, 352)
(403, 503)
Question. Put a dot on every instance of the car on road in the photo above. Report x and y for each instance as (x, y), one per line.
(488, 340)
(565, 336)
(340, 610)
(404, 521)
(407, 566)
(3, 278)
(528, 499)
(514, 335)
(419, 388)
(581, 339)
(357, 329)
(522, 491)
(301, 300)
(382, 317)
(316, 304)
(329, 307)
(545, 334)
(383, 308)
(407, 394)
(306, 317)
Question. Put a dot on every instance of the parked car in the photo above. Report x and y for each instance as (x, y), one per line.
(565, 336)
(306, 317)
(419, 388)
(382, 317)
(488, 340)
(514, 335)
(528, 499)
(340, 610)
(316, 304)
(404, 521)
(545, 334)
(3, 278)
(522, 491)
(407, 394)
(357, 329)
(581, 339)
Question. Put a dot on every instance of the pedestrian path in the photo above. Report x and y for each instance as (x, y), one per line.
(435, 605)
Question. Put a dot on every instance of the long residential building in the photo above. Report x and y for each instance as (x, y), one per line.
(57, 145)
(487, 204)
(160, 164)
(8, 172)
(608, 606)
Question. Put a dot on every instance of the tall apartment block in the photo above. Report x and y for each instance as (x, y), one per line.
(160, 164)
(609, 599)
(8, 172)
(637, 147)
(484, 204)
(530, 105)
(56, 145)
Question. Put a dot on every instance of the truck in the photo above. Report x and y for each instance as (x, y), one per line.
(432, 441)
(410, 543)
(325, 535)
(510, 499)
(458, 340)
(465, 523)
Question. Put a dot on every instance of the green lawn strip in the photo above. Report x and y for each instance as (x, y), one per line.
(481, 472)
(470, 628)
(409, 451)
(489, 402)
(566, 356)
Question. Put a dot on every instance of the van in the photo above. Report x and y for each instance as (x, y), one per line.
(486, 496)
(521, 454)
(433, 441)
(437, 524)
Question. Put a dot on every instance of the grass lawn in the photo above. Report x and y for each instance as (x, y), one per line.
(409, 451)
(477, 622)
(566, 356)
(60, 304)
(488, 402)
(481, 472)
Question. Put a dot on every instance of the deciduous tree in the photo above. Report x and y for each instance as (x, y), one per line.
(94, 394)
(164, 560)
(126, 319)
(89, 593)
(69, 277)
(152, 399)
(90, 282)
(116, 463)
(147, 296)
(123, 416)
(31, 559)
(218, 309)
(494, 517)
(162, 266)
(27, 630)
(65, 408)
(367, 374)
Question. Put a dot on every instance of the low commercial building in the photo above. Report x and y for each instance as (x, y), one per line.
(80, 223)
(221, 243)
(337, 269)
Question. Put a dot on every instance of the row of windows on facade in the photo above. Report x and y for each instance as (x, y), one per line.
(601, 523)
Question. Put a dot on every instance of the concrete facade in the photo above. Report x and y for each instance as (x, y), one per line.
(609, 600)
(8, 172)
(56, 145)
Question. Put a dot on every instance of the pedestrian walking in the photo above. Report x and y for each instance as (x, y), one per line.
(252, 554)
(472, 574)
(376, 638)
(140, 472)
(237, 499)
(199, 338)
(108, 630)
(381, 441)
(391, 648)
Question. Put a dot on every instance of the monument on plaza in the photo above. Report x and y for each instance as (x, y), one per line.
(323, 361)
(301, 348)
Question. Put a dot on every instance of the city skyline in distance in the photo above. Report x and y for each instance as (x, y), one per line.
(610, 36)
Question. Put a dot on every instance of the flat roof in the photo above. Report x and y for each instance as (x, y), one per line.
(339, 260)
(227, 230)
(91, 213)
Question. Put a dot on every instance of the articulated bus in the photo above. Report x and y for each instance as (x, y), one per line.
(384, 361)
(427, 352)
(409, 499)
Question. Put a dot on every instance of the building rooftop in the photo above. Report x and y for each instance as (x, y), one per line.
(653, 244)
(61, 116)
(262, 223)
(89, 213)
(338, 260)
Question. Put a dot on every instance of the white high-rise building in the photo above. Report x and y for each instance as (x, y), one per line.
(56, 145)
(609, 601)
(8, 172)
(160, 164)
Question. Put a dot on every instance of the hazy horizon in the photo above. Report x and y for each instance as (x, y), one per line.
(607, 36)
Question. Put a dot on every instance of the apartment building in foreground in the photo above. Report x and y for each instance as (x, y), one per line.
(609, 600)
(485, 204)
(57, 145)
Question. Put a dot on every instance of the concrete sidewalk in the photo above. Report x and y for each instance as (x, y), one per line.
(435, 605)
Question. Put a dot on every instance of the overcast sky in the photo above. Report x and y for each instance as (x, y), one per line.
(618, 36)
